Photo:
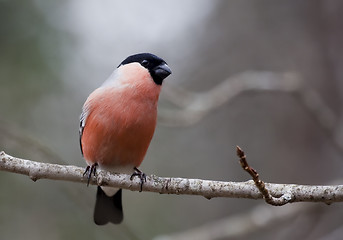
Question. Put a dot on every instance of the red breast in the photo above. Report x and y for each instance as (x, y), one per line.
(121, 119)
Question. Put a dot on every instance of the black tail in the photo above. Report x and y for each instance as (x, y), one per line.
(108, 209)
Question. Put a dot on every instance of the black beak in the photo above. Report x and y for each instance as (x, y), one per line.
(160, 72)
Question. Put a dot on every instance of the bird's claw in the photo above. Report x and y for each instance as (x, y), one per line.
(90, 169)
(139, 174)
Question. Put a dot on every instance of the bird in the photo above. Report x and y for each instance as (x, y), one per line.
(117, 124)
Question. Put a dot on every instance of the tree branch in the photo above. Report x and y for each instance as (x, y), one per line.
(206, 188)
(261, 186)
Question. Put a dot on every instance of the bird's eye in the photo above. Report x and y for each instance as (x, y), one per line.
(145, 63)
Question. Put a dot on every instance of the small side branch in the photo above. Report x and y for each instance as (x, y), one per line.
(163, 185)
(287, 197)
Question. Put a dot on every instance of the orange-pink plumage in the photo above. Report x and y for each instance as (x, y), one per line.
(118, 122)
(121, 120)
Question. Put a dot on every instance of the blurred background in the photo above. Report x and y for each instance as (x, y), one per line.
(265, 75)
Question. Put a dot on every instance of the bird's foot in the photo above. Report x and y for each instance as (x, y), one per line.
(141, 175)
(90, 170)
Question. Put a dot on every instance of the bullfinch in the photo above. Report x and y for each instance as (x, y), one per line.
(117, 123)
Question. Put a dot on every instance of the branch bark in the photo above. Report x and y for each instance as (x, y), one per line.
(206, 188)
(261, 186)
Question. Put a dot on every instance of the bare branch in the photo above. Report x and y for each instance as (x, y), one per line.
(206, 188)
(279, 201)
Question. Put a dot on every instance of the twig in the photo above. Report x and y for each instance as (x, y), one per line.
(206, 188)
(287, 197)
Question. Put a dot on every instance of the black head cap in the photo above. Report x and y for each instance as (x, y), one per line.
(157, 67)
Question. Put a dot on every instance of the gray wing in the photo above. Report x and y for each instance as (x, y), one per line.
(83, 118)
